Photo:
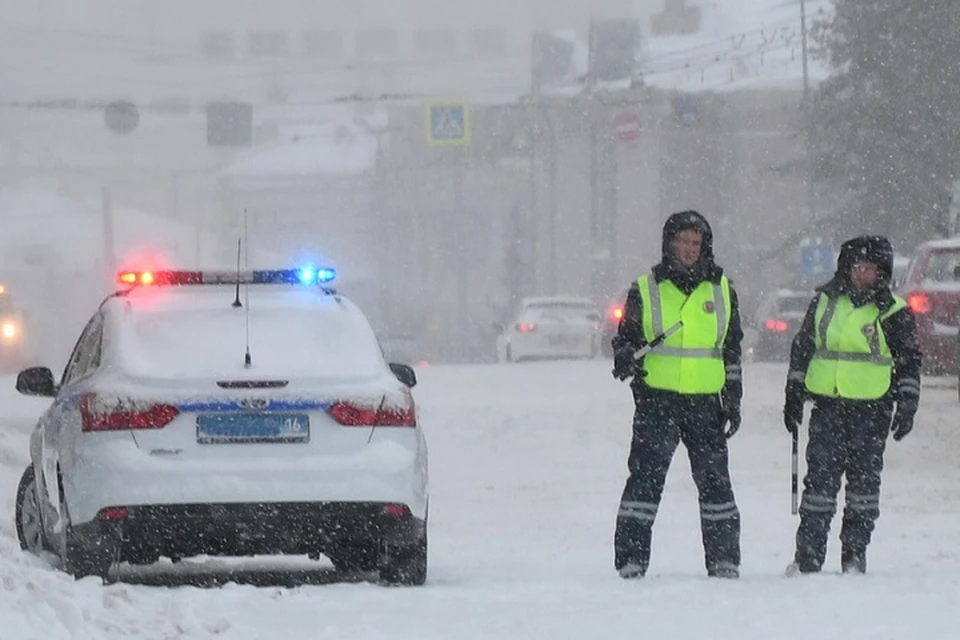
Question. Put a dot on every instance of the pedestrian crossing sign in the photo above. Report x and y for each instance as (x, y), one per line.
(448, 124)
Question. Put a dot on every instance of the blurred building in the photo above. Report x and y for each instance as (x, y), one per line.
(573, 161)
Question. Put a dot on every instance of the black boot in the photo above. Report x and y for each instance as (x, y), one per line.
(726, 570)
(853, 561)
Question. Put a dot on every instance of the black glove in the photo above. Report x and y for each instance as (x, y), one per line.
(796, 394)
(903, 418)
(729, 413)
(625, 365)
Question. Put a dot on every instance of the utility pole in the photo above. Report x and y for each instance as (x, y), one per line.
(807, 119)
(803, 46)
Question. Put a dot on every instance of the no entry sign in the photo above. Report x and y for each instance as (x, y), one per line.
(626, 126)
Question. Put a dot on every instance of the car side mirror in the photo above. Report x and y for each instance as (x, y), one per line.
(404, 374)
(37, 381)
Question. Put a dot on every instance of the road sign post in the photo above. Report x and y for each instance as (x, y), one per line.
(448, 124)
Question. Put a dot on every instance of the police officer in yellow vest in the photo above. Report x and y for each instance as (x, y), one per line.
(686, 389)
(855, 356)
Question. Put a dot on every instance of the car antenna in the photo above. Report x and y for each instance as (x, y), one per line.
(247, 360)
(236, 301)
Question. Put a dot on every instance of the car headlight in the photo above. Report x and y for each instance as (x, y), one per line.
(9, 330)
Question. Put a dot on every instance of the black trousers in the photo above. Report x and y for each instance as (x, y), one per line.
(847, 437)
(661, 421)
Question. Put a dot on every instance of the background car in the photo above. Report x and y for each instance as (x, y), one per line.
(188, 423)
(550, 327)
(931, 287)
(776, 322)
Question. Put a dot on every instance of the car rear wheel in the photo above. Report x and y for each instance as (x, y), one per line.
(404, 565)
(28, 521)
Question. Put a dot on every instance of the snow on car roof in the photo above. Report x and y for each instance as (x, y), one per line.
(195, 332)
(942, 243)
(548, 300)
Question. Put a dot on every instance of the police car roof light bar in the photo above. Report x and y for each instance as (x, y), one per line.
(302, 276)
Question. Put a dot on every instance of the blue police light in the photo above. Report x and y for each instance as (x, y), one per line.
(326, 275)
(303, 275)
(307, 275)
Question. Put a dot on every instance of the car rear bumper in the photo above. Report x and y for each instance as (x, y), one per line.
(773, 346)
(393, 470)
(539, 347)
(147, 532)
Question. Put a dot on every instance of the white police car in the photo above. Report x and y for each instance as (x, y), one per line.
(228, 414)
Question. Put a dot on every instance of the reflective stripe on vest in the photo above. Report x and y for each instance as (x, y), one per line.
(691, 360)
(852, 359)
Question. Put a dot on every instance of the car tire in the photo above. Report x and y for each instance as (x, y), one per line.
(404, 565)
(29, 523)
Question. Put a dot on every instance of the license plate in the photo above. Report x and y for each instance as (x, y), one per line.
(252, 428)
(564, 341)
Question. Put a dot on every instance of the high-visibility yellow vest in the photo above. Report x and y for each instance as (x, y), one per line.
(691, 360)
(852, 359)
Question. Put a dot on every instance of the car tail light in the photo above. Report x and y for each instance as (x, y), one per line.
(99, 415)
(919, 302)
(350, 414)
(776, 325)
(616, 313)
(396, 510)
(112, 513)
(526, 327)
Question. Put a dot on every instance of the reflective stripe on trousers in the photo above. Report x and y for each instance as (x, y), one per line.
(642, 511)
(719, 512)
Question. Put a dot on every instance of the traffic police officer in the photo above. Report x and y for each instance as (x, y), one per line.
(855, 356)
(687, 388)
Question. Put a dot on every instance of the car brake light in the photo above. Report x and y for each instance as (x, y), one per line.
(526, 327)
(96, 415)
(776, 325)
(350, 414)
(919, 302)
(616, 313)
(112, 513)
(396, 510)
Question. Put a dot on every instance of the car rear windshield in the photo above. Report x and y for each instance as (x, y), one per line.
(793, 304)
(291, 336)
(940, 266)
(562, 311)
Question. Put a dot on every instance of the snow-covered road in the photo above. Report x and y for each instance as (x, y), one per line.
(527, 464)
